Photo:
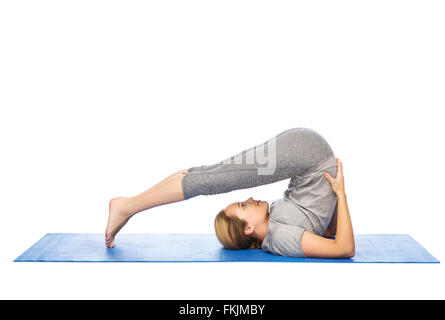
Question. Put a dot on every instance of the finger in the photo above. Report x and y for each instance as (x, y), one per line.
(327, 176)
(339, 167)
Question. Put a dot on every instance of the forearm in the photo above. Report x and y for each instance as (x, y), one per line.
(345, 235)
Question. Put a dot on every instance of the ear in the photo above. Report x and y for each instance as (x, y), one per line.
(249, 229)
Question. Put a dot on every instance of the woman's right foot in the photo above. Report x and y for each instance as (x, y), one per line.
(117, 218)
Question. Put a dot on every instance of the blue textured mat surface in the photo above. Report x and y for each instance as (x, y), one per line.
(89, 247)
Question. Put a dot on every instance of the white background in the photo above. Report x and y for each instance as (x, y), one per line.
(106, 98)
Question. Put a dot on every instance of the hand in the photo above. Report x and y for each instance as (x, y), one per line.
(337, 184)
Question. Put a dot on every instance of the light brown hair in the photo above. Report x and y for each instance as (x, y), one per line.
(230, 232)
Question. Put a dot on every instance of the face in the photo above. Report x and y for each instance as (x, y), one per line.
(255, 212)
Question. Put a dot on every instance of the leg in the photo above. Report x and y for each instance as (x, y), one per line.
(289, 154)
(169, 177)
(121, 209)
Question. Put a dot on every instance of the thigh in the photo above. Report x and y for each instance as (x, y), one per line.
(301, 149)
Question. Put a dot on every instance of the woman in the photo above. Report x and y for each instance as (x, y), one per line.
(302, 223)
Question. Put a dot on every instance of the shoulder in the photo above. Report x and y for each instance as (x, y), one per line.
(284, 240)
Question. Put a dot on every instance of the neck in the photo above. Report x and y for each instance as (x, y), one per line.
(261, 230)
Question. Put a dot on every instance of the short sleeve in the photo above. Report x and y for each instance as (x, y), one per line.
(285, 240)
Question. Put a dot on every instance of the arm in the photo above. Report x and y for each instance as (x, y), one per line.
(343, 245)
(331, 230)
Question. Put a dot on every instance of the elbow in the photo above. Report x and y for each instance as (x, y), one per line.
(350, 254)
(347, 252)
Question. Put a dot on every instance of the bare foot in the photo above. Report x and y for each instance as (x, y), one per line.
(117, 218)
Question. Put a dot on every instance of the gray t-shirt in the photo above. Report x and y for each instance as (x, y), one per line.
(307, 204)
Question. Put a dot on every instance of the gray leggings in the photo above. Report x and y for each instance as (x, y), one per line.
(290, 153)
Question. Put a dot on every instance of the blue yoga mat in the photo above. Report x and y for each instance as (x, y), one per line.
(88, 247)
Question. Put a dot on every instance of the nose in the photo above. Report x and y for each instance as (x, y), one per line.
(250, 201)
